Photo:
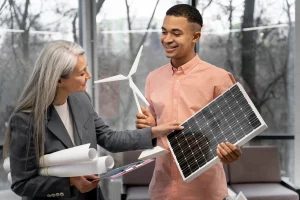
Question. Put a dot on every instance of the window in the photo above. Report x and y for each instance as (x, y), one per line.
(25, 27)
(254, 41)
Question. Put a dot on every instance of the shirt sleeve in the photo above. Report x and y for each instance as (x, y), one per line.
(227, 81)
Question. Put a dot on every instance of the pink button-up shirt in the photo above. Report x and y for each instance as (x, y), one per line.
(175, 95)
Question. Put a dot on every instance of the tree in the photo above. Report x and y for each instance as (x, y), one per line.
(248, 43)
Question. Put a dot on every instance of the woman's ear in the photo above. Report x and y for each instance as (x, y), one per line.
(59, 82)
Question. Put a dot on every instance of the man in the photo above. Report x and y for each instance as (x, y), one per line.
(175, 92)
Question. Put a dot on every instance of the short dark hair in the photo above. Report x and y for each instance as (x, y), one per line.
(189, 12)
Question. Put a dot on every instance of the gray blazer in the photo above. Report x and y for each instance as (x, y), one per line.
(90, 129)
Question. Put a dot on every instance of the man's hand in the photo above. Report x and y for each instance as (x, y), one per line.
(144, 119)
(84, 183)
(164, 129)
(228, 152)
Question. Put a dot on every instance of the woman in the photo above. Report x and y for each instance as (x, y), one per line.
(54, 113)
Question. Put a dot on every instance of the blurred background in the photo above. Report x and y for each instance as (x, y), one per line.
(253, 39)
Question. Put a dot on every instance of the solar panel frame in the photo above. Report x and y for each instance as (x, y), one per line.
(240, 141)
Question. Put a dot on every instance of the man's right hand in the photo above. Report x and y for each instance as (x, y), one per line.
(144, 119)
(83, 184)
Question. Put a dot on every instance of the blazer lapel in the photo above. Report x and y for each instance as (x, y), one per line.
(57, 127)
(76, 111)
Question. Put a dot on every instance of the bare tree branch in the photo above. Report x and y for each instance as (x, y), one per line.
(149, 24)
(12, 4)
(99, 5)
(270, 89)
(128, 15)
(2, 6)
(74, 27)
(205, 7)
(25, 14)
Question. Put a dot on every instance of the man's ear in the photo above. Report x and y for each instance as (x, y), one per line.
(197, 36)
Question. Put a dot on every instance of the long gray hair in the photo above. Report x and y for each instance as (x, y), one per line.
(57, 60)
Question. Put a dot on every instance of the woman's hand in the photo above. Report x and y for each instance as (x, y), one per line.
(164, 129)
(84, 183)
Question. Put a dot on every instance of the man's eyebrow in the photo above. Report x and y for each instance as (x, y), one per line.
(176, 30)
(173, 30)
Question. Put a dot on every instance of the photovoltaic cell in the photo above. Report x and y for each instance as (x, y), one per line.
(231, 117)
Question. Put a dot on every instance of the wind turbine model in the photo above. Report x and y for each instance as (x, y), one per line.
(149, 153)
(134, 88)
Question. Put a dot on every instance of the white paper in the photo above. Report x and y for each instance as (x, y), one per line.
(231, 194)
(240, 196)
(98, 166)
(9, 178)
(152, 153)
(71, 155)
(113, 78)
(6, 164)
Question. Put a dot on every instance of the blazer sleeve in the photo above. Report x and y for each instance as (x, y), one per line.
(24, 166)
(119, 141)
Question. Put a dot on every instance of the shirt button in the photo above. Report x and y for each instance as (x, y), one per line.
(57, 194)
(48, 195)
(61, 194)
(52, 195)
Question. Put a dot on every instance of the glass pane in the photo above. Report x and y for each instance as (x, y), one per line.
(25, 28)
(254, 41)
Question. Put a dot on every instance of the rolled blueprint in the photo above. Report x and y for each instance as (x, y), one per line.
(6, 164)
(9, 178)
(67, 156)
(98, 166)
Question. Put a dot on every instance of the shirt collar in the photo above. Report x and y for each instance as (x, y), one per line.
(185, 68)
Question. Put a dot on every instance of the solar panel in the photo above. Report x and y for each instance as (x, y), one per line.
(231, 117)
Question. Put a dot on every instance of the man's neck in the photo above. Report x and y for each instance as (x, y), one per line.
(177, 62)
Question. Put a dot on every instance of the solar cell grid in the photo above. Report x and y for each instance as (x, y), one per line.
(231, 117)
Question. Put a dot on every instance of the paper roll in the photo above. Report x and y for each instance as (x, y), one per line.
(98, 166)
(6, 164)
(9, 178)
(76, 154)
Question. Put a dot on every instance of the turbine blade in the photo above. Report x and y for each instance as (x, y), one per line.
(136, 62)
(137, 102)
(137, 91)
(113, 78)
